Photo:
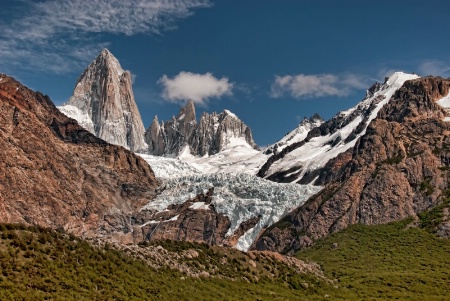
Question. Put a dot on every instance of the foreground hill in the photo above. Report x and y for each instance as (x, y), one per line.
(42, 264)
(383, 262)
(399, 168)
(56, 174)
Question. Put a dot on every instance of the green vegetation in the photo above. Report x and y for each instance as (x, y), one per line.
(393, 160)
(430, 219)
(42, 264)
(427, 187)
(384, 262)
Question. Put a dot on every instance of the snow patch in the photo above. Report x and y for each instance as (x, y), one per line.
(229, 113)
(149, 222)
(444, 102)
(199, 206)
(173, 218)
(82, 117)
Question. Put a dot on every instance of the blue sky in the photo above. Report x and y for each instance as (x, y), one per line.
(271, 62)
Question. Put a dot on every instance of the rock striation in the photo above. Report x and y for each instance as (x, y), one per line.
(205, 138)
(54, 173)
(103, 103)
(398, 168)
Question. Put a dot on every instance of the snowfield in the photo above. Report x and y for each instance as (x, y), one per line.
(239, 197)
(166, 168)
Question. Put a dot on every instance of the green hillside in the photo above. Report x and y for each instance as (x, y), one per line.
(42, 264)
(385, 262)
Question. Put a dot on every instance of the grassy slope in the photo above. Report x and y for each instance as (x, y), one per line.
(40, 264)
(385, 262)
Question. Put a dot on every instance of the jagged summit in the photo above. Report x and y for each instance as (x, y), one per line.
(103, 103)
(207, 137)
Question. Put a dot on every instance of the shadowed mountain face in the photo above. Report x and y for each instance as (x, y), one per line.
(399, 168)
(56, 174)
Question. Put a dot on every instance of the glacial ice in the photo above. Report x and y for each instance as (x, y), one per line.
(239, 197)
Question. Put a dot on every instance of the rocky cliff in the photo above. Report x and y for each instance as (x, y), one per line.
(398, 168)
(207, 137)
(103, 103)
(56, 174)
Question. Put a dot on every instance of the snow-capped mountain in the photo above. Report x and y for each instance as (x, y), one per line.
(183, 134)
(103, 103)
(303, 161)
(295, 136)
(399, 168)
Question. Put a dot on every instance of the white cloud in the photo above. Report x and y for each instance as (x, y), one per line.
(434, 67)
(316, 85)
(198, 87)
(59, 35)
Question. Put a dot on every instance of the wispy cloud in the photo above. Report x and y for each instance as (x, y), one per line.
(434, 67)
(59, 35)
(316, 85)
(198, 87)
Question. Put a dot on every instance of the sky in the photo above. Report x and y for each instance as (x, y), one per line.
(271, 62)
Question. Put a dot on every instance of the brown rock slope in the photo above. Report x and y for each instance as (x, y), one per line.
(399, 168)
(56, 174)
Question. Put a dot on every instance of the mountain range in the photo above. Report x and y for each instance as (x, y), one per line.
(207, 181)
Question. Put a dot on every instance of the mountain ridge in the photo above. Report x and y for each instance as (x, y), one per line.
(54, 173)
(206, 137)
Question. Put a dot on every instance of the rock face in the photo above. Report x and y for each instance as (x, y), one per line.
(303, 160)
(194, 220)
(56, 174)
(399, 168)
(103, 103)
(208, 137)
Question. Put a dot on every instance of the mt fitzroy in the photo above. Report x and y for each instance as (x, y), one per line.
(103, 103)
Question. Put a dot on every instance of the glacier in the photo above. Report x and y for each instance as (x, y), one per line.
(240, 197)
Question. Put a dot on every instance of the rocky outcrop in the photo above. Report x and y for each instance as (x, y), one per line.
(103, 102)
(399, 168)
(207, 137)
(54, 173)
(194, 220)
